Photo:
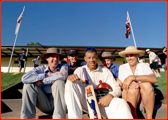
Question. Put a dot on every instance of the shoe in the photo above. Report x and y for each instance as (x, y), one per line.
(159, 75)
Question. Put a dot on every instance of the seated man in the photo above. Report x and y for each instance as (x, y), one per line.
(44, 87)
(74, 62)
(107, 60)
(137, 78)
(110, 105)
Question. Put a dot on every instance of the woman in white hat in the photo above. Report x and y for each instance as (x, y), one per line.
(137, 78)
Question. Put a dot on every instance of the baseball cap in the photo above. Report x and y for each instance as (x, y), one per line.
(38, 56)
(72, 51)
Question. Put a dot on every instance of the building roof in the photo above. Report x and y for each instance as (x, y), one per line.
(34, 51)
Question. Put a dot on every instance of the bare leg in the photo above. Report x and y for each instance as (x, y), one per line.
(20, 69)
(132, 97)
(148, 98)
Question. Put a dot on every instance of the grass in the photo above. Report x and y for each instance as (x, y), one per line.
(162, 82)
(7, 79)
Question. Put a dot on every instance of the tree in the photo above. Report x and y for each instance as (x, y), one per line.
(34, 44)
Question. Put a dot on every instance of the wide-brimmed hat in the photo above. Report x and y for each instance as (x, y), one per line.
(106, 55)
(131, 50)
(54, 51)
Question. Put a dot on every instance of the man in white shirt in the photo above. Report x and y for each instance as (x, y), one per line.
(137, 78)
(110, 105)
(36, 61)
(153, 62)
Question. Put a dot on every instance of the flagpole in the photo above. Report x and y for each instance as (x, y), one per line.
(16, 32)
(12, 53)
(131, 29)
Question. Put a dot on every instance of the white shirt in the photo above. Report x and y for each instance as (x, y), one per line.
(36, 61)
(141, 69)
(100, 73)
(152, 55)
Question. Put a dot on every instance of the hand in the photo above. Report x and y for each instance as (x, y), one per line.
(60, 73)
(39, 83)
(105, 101)
(128, 81)
(73, 78)
(134, 85)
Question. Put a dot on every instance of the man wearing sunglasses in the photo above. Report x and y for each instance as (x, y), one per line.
(110, 105)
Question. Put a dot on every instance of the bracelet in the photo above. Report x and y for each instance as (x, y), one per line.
(135, 77)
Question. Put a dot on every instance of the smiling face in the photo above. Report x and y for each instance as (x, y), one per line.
(131, 59)
(107, 62)
(91, 59)
(73, 58)
(53, 61)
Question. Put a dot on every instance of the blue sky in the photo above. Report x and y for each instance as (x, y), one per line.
(85, 23)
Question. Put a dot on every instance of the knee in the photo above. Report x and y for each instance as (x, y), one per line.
(133, 92)
(146, 87)
(58, 84)
(122, 102)
(29, 86)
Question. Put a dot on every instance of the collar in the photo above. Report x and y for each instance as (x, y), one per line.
(46, 70)
(97, 69)
(76, 65)
(129, 69)
(112, 66)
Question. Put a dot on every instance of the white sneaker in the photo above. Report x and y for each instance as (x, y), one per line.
(156, 74)
(159, 75)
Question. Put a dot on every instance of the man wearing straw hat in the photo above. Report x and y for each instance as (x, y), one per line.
(137, 78)
(44, 87)
(107, 59)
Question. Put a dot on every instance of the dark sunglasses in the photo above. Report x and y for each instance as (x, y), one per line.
(90, 48)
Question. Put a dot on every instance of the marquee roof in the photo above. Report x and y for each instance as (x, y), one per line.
(34, 51)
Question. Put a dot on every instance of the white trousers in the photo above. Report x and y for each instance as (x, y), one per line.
(75, 100)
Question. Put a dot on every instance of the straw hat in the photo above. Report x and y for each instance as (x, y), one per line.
(106, 55)
(131, 50)
(54, 51)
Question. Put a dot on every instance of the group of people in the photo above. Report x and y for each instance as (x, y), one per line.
(56, 88)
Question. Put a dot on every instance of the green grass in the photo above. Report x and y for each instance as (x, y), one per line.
(162, 82)
(7, 79)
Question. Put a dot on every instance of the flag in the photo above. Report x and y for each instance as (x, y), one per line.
(128, 29)
(19, 21)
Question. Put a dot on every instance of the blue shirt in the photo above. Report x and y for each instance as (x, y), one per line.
(72, 68)
(114, 70)
(22, 56)
(38, 73)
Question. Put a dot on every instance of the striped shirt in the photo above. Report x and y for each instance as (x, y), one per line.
(38, 73)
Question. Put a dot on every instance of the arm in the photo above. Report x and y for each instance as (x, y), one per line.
(116, 91)
(34, 75)
(146, 76)
(60, 75)
(154, 58)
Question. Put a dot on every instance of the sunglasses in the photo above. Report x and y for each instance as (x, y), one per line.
(90, 48)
